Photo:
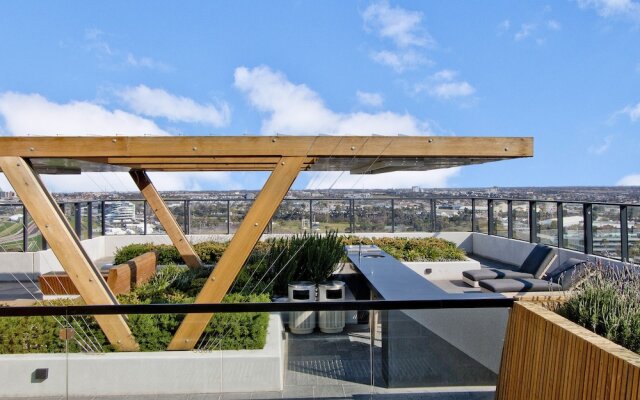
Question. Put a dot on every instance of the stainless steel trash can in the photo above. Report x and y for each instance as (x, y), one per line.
(302, 322)
(331, 321)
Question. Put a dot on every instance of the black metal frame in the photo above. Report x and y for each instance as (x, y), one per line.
(431, 219)
(358, 305)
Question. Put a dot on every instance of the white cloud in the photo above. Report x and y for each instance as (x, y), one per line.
(629, 180)
(402, 26)
(602, 147)
(32, 114)
(632, 111)
(613, 8)
(401, 60)
(370, 99)
(296, 109)
(445, 86)
(159, 103)
(96, 43)
(524, 32)
(504, 26)
(553, 25)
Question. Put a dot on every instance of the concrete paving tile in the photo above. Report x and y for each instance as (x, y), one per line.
(205, 396)
(266, 395)
(236, 396)
(331, 392)
(305, 392)
(350, 390)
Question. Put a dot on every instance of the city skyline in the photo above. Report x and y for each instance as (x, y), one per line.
(565, 73)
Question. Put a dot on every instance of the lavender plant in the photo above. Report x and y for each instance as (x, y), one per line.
(608, 303)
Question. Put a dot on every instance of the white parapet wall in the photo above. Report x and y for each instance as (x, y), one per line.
(131, 374)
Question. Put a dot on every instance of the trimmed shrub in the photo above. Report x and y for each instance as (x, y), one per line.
(418, 249)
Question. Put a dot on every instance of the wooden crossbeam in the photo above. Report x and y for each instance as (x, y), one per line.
(66, 246)
(240, 247)
(165, 218)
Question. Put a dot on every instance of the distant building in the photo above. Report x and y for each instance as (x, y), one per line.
(415, 189)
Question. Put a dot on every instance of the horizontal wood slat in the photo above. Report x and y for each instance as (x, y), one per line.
(545, 356)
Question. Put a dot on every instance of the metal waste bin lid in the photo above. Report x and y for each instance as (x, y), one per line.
(302, 285)
(331, 285)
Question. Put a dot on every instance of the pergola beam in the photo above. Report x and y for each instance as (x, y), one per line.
(166, 219)
(66, 246)
(240, 247)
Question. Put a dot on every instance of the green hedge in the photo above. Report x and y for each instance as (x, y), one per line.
(410, 249)
(229, 331)
(209, 252)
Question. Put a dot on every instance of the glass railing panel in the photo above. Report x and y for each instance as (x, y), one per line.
(547, 223)
(412, 215)
(520, 218)
(453, 348)
(500, 218)
(11, 228)
(237, 210)
(34, 241)
(372, 215)
(96, 219)
(293, 217)
(633, 227)
(127, 218)
(573, 226)
(69, 211)
(606, 230)
(208, 217)
(177, 208)
(453, 215)
(481, 219)
(96, 370)
(332, 215)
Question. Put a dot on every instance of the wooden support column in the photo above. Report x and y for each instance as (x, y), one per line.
(165, 217)
(240, 247)
(67, 248)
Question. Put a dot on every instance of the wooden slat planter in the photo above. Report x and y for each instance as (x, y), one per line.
(546, 356)
(121, 278)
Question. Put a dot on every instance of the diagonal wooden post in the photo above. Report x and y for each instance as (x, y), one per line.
(165, 217)
(240, 247)
(67, 248)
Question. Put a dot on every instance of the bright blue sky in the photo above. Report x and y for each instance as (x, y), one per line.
(566, 73)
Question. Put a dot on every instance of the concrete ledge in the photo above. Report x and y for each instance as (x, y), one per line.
(184, 372)
(442, 270)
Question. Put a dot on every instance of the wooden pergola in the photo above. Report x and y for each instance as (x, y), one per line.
(23, 159)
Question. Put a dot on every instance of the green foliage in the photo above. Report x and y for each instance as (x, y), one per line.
(209, 252)
(306, 257)
(236, 331)
(608, 303)
(410, 249)
(172, 284)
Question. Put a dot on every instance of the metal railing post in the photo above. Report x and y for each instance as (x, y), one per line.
(473, 215)
(77, 214)
(103, 219)
(352, 215)
(432, 205)
(510, 219)
(491, 229)
(533, 222)
(89, 220)
(560, 224)
(393, 216)
(587, 213)
(624, 234)
(187, 217)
